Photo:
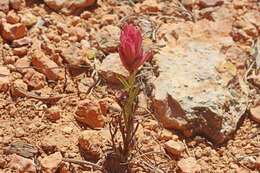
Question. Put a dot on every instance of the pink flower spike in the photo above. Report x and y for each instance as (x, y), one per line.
(130, 52)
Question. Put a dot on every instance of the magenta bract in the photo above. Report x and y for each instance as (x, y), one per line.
(131, 52)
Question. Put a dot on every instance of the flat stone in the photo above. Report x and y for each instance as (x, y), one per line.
(20, 84)
(19, 51)
(4, 5)
(51, 163)
(193, 92)
(188, 2)
(22, 149)
(53, 113)
(21, 63)
(21, 42)
(17, 4)
(89, 112)
(49, 67)
(258, 162)
(89, 141)
(255, 113)
(108, 38)
(85, 84)
(29, 19)
(4, 71)
(112, 68)
(21, 164)
(174, 147)
(75, 56)
(210, 3)
(34, 79)
(69, 6)
(12, 17)
(13, 31)
(189, 165)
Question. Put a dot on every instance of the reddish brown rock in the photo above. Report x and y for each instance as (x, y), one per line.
(19, 51)
(150, 6)
(13, 31)
(85, 14)
(4, 5)
(4, 83)
(49, 68)
(17, 4)
(9, 59)
(257, 162)
(12, 17)
(4, 79)
(189, 165)
(34, 79)
(20, 85)
(21, 164)
(2, 163)
(210, 3)
(89, 141)
(53, 113)
(255, 113)
(22, 62)
(89, 112)
(166, 135)
(112, 68)
(174, 147)
(110, 19)
(51, 163)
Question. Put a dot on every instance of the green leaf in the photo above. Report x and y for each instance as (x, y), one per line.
(125, 83)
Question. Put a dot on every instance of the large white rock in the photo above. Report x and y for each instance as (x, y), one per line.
(195, 91)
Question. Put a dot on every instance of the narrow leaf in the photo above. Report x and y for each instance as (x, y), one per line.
(125, 83)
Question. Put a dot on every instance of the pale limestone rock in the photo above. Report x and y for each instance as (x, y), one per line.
(51, 163)
(174, 147)
(112, 68)
(189, 165)
(108, 38)
(4, 5)
(75, 56)
(69, 6)
(21, 42)
(192, 90)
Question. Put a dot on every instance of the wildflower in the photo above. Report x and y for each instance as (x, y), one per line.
(131, 52)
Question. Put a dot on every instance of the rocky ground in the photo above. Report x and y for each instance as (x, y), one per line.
(199, 105)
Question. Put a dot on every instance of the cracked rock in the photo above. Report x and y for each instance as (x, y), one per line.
(194, 91)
